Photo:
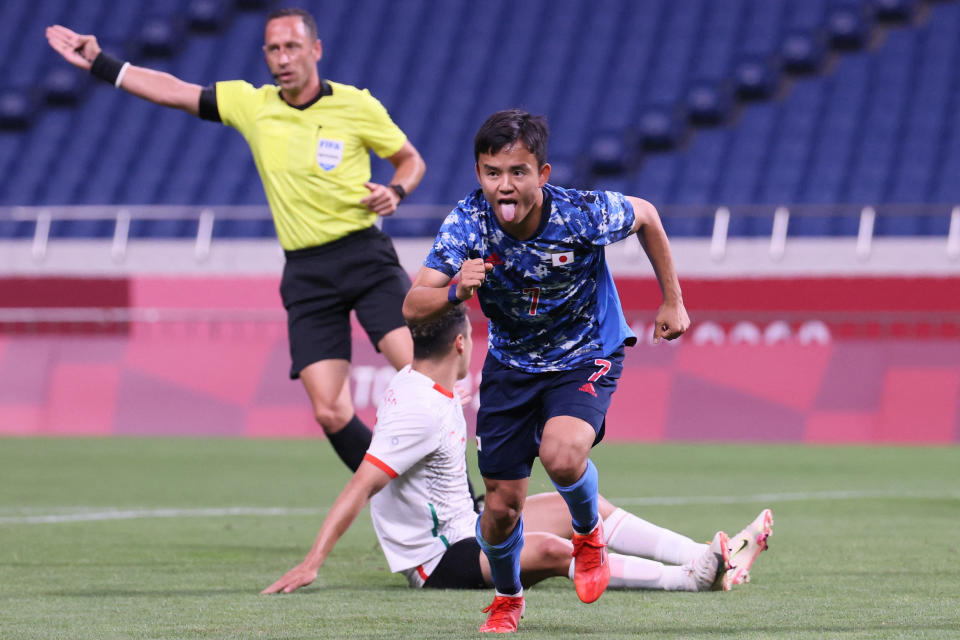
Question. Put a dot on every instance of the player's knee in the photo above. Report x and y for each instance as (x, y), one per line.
(555, 551)
(503, 516)
(564, 467)
(330, 417)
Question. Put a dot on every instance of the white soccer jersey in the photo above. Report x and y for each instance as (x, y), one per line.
(420, 441)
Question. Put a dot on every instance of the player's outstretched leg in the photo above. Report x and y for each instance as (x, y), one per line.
(631, 535)
(746, 546)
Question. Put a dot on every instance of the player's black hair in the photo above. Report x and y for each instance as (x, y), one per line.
(434, 339)
(303, 14)
(506, 127)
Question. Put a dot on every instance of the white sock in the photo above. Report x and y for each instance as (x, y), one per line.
(629, 572)
(627, 534)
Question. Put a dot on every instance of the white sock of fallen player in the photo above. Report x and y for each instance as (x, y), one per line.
(629, 572)
(632, 536)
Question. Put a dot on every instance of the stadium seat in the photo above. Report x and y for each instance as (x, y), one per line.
(17, 109)
(878, 125)
(159, 37)
(400, 226)
(16, 229)
(102, 228)
(762, 22)
(162, 229)
(847, 26)
(207, 15)
(755, 77)
(709, 103)
(248, 228)
(564, 172)
(62, 86)
(609, 153)
(894, 10)
(658, 129)
(802, 52)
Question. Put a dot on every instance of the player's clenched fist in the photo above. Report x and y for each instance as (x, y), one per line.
(672, 321)
(472, 274)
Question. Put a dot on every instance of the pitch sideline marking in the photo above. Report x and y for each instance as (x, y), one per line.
(100, 514)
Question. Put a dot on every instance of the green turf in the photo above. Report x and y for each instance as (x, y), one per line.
(880, 563)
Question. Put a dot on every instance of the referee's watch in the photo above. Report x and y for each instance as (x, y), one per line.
(452, 295)
(399, 190)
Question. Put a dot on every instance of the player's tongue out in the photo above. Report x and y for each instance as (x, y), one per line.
(508, 210)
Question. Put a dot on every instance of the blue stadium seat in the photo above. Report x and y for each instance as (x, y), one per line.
(701, 168)
(808, 220)
(572, 124)
(565, 172)
(62, 86)
(755, 77)
(17, 109)
(675, 53)
(762, 23)
(659, 128)
(207, 15)
(720, 29)
(82, 228)
(628, 73)
(709, 103)
(162, 229)
(251, 228)
(894, 10)
(16, 229)
(399, 226)
(655, 178)
(802, 51)
(880, 124)
(808, 14)
(610, 153)
(847, 26)
(160, 37)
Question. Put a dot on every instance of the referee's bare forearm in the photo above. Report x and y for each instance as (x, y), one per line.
(162, 88)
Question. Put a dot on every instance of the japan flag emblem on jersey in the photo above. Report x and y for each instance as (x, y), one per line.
(561, 259)
(329, 153)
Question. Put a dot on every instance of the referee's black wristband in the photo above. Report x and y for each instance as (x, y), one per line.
(399, 190)
(107, 68)
(452, 295)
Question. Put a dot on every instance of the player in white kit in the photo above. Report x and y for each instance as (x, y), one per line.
(414, 476)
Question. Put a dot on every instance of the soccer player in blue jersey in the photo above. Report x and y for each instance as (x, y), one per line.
(533, 254)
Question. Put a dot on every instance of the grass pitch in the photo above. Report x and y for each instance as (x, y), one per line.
(134, 538)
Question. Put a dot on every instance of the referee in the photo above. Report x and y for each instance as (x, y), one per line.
(310, 139)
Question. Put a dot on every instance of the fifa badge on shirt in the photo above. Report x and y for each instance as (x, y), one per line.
(329, 153)
(562, 258)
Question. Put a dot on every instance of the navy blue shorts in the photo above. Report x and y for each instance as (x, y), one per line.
(515, 406)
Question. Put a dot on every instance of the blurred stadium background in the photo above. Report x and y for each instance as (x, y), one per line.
(804, 154)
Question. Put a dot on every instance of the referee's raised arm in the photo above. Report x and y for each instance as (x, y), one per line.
(158, 87)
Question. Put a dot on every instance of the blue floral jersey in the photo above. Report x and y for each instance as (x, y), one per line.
(550, 298)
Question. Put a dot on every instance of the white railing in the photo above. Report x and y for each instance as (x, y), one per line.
(427, 218)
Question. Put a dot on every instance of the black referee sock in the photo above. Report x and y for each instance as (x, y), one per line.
(351, 442)
(476, 499)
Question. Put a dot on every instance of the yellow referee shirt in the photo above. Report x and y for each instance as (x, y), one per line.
(313, 161)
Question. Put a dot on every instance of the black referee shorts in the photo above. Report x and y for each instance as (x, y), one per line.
(459, 567)
(322, 284)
